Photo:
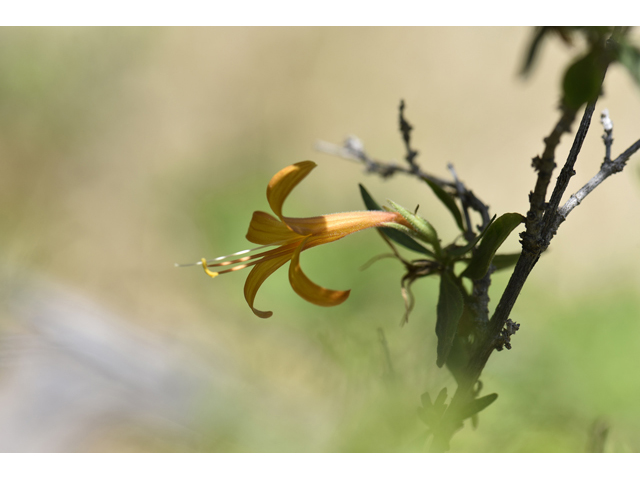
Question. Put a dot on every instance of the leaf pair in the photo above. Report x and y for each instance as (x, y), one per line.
(494, 236)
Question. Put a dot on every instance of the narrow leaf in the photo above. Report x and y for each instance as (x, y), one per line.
(502, 261)
(629, 56)
(496, 234)
(474, 422)
(459, 251)
(369, 202)
(440, 399)
(425, 399)
(397, 236)
(539, 34)
(477, 406)
(448, 202)
(450, 307)
(582, 80)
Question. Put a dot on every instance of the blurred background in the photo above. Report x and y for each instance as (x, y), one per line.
(124, 151)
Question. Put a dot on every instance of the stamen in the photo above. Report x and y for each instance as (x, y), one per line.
(232, 269)
(242, 252)
(245, 261)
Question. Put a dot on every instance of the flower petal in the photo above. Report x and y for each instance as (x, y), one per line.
(284, 181)
(256, 278)
(310, 291)
(342, 224)
(265, 229)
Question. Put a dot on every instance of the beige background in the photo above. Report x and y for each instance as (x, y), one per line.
(127, 150)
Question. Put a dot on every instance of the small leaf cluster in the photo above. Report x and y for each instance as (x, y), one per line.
(478, 254)
(442, 420)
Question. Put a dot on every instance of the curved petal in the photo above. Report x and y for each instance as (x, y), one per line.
(310, 291)
(265, 229)
(284, 181)
(256, 278)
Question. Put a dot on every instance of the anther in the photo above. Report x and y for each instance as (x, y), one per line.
(206, 270)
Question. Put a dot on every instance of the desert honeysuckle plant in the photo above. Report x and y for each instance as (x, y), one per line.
(467, 334)
(290, 236)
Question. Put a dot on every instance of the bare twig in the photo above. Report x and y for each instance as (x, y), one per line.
(405, 129)
(606, 170)
(353, 149)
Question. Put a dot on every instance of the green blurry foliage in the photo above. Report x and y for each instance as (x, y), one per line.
(583, 77)
(582, 80)
(449, 311)
(629, 56)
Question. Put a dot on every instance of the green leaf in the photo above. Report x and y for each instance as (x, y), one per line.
(539, 34)
(440, 399)
(430, 413)
(425, 399)
(474, 422)
(450, 307)
(369, 202)
(394, 235)
(420, 225)
(502, 261)
(459, 251)
(629, 56)
(448, 202)
(496, 234)
(477, 406)
(582, 81)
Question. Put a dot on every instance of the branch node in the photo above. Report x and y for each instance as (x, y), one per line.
(607, 124)
(504, 337)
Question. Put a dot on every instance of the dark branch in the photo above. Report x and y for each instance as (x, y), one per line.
(565, 176)
(531, 251)
(544, 165)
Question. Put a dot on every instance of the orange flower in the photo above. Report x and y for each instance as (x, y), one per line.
(290, 236)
